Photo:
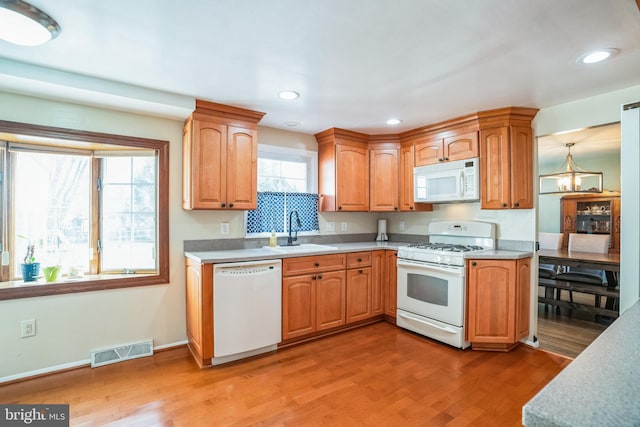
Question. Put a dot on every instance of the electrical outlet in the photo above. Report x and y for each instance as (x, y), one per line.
(224, 228)
(344, 226)
(331, 226)
(28, 328)
(401, 225)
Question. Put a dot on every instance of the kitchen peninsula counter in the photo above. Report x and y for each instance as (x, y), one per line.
(600, 387)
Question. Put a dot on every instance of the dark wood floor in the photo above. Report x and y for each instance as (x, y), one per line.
(377, 375)
(569, 332)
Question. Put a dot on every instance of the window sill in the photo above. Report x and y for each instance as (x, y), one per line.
(19, 289)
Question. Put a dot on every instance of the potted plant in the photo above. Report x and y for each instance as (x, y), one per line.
(30, 268)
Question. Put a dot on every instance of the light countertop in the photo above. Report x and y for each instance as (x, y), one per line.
(600, 387)
(238, 255)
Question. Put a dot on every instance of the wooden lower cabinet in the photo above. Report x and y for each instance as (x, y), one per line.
(199, 310)
(337, 290)
(358, 294)
(390, 283)
(497, 303)
(330, 300)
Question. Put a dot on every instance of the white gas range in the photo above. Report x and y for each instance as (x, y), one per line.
(432, 279)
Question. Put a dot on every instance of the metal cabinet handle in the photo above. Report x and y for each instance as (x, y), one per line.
(410, 207)
(224, 205)
(446, 158)
(474, 263)
(313, 277)
(319, 276)
(316, 264)
(230, 205)
(360, 271)
(504, 205)
(516, 204)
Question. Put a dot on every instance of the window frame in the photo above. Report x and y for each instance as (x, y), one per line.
(278, 152)
(24, 131)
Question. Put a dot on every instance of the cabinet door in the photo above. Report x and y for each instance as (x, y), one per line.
(492, 301)
(242, 168)
(330, 307)
(208, 171)
(391, 285)
(428, 151)
(494, 168)
(298, 306)
(383, 177)
(459, 147)
(521, 159)
(352, 178)
(523, 294)
(199, 306)
(377, 282)
(358, 294)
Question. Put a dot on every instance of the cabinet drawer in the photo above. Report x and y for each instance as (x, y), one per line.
(358, 259)
(313, 264)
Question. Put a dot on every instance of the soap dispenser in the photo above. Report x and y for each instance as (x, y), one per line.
(273, 240)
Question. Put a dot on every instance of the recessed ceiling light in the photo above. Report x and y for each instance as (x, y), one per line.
(289, 94)
(393, 122)
(25, 25)
(597, 56)
(292, 124)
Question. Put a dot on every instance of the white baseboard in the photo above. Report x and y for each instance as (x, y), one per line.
(71, 365)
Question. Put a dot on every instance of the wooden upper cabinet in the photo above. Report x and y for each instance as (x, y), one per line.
(343, 171)
(428, 151)
(242, 179)
(506, 158)
(383, 179)
(436, 149)
(220, 155)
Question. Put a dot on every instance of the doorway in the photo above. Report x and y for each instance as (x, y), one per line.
(596, 149)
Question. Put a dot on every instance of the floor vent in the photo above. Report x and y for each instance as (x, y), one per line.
(119, 354)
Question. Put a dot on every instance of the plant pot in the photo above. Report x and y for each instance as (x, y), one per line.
(51, 273)
(30, 271)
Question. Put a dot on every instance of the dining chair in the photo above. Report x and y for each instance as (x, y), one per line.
(552, 241)
(595, 243)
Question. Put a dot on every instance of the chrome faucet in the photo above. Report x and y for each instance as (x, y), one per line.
(298, 224)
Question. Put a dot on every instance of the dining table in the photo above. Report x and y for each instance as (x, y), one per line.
(609, 262)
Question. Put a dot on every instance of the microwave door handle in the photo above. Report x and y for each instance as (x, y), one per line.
(461, 184)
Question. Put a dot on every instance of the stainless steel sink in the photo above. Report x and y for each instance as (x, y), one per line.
(304, 247)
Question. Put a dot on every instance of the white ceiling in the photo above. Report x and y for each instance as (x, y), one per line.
(355, 62)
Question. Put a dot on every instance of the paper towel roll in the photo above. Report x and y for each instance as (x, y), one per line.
(382, 230)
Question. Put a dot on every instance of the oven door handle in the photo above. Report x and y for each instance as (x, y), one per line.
(455, 271)
(431, 325)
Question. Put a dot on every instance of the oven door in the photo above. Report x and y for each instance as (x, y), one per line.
(433, 291)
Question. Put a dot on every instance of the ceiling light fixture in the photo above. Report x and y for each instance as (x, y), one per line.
(573, 179)
(393, 122)
(597, 56)
(292, 124)
(25, 25)
(289, 95)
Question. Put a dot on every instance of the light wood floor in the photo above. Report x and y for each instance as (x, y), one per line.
(568, 332)
(378, 375)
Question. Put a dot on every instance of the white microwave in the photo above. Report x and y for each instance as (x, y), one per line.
(456, 181)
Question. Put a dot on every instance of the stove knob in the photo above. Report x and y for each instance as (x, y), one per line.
(438, 259)
(447, 260)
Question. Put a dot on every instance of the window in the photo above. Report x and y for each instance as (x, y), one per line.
(95, 204)
(286, 182)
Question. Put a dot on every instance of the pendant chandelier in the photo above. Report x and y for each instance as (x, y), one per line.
(573, 179)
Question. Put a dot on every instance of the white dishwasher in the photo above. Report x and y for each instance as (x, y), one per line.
(247, 309)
